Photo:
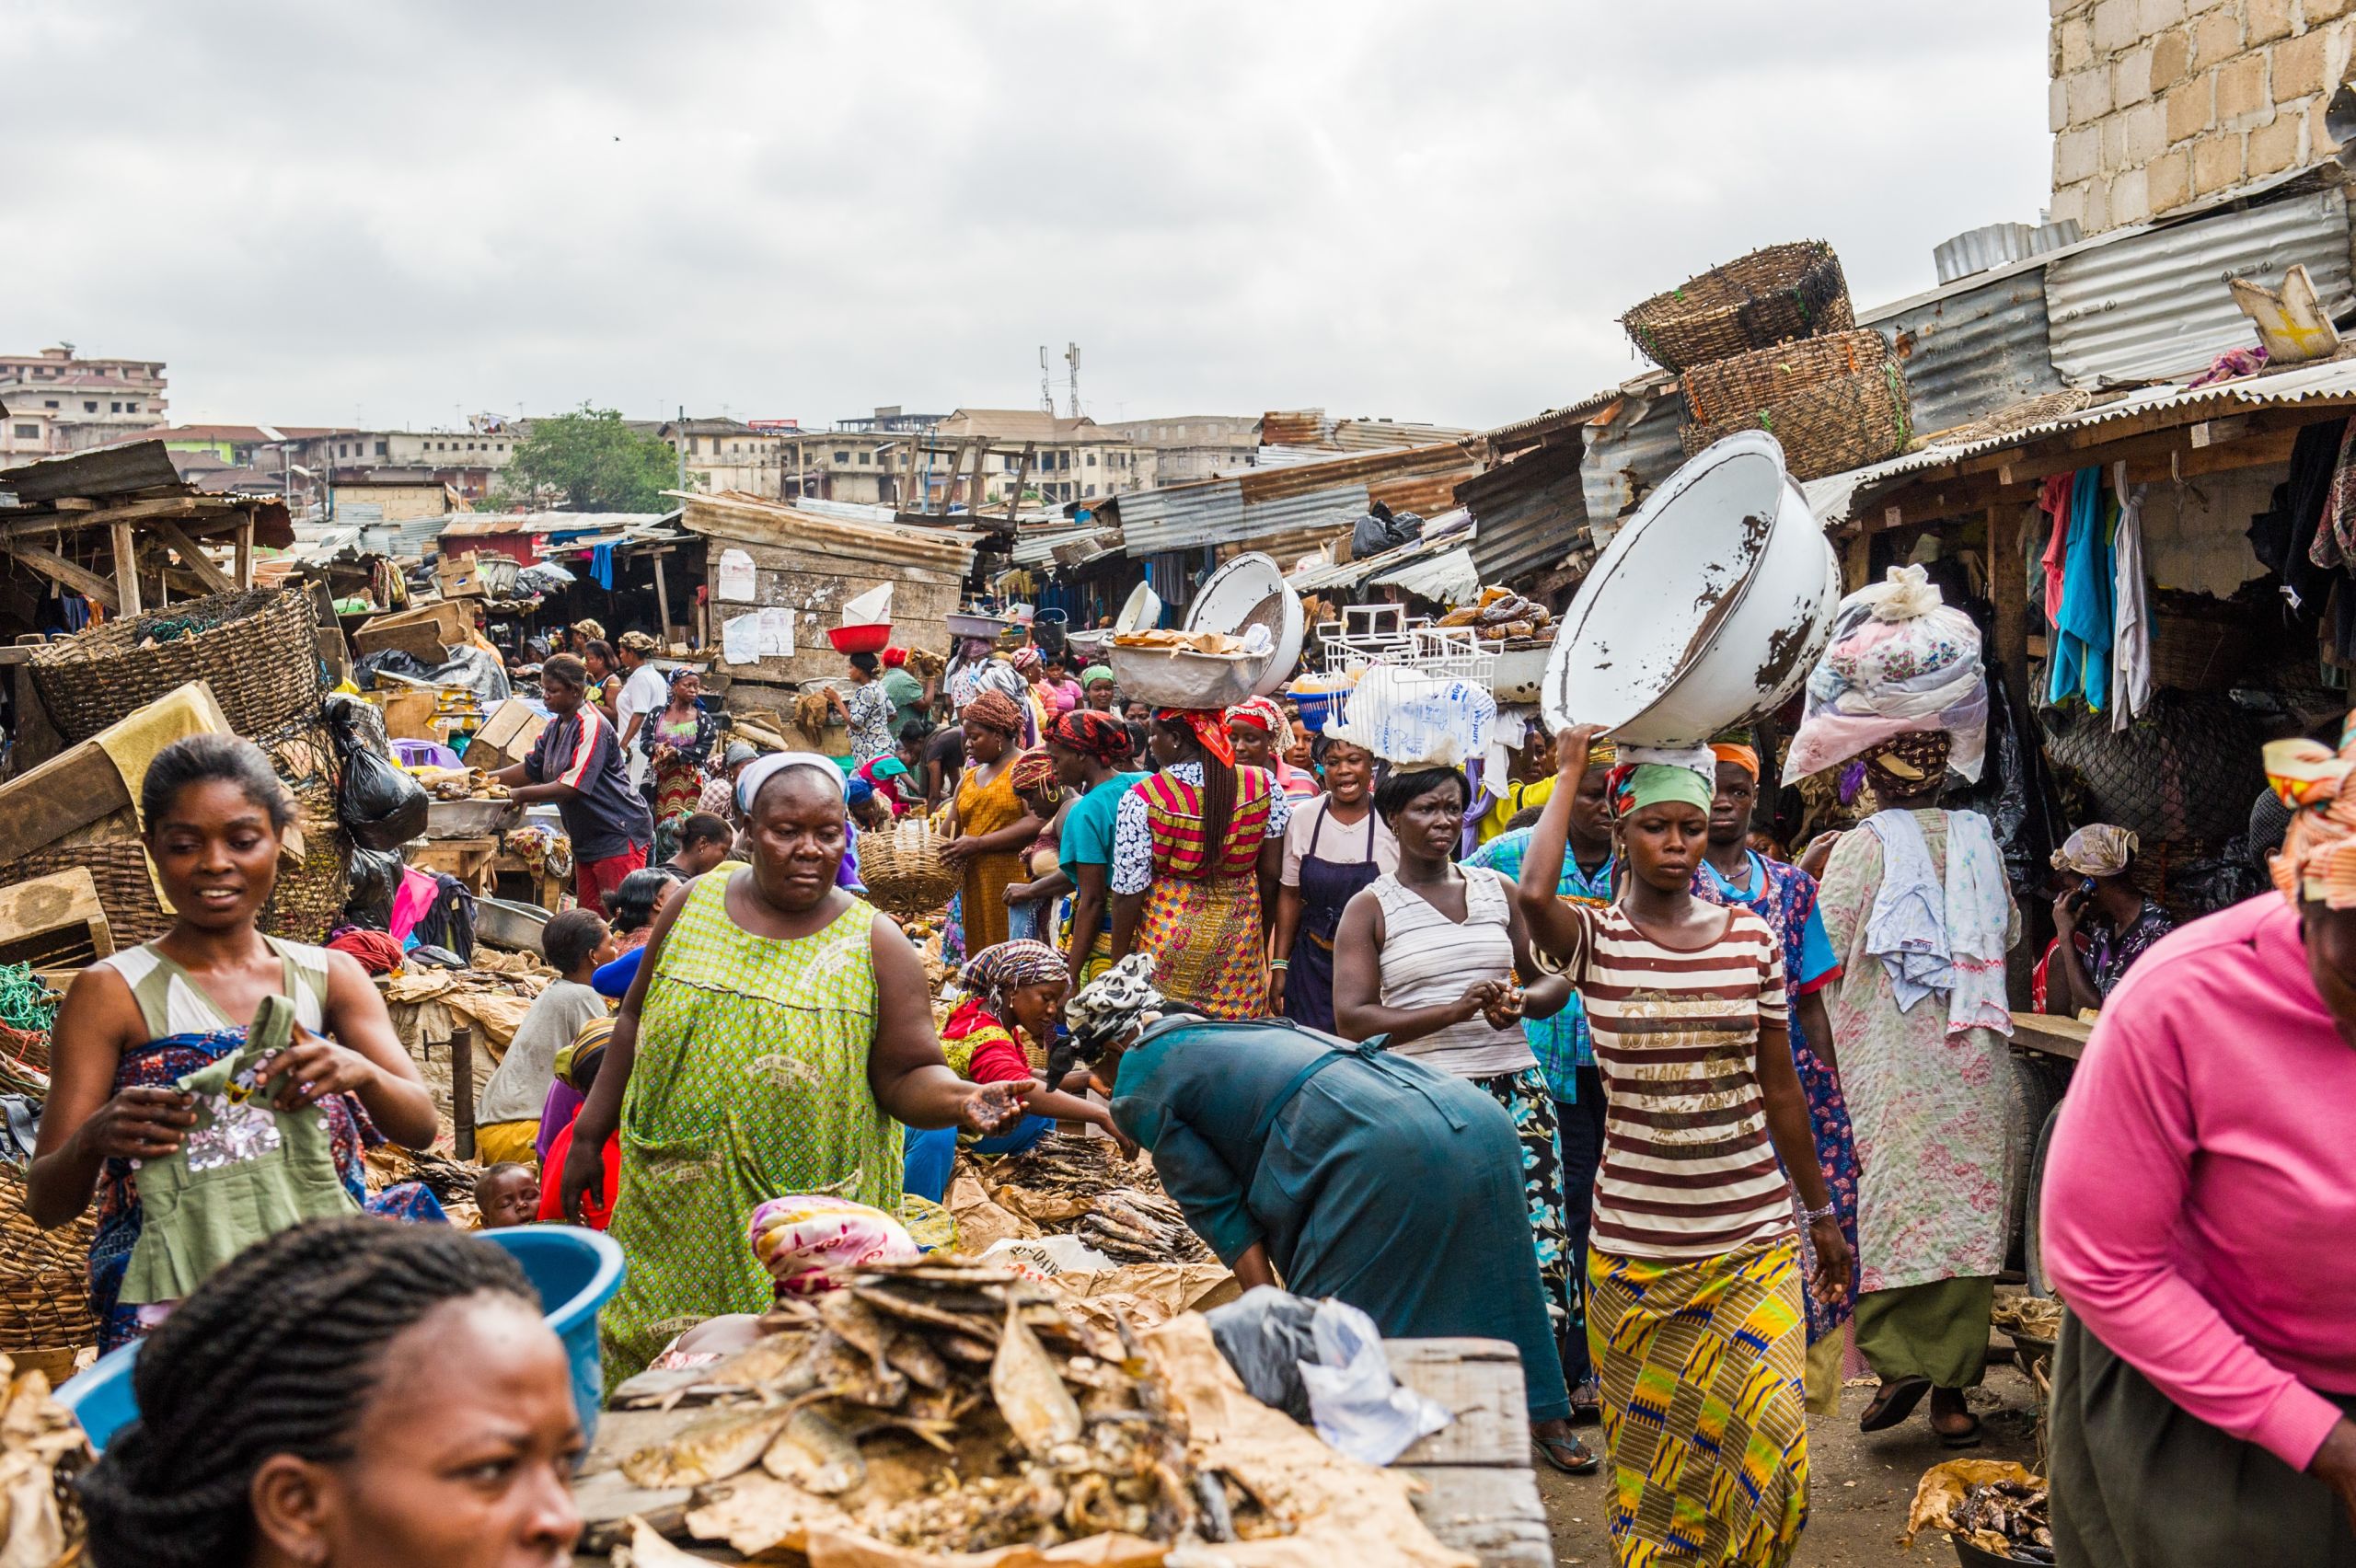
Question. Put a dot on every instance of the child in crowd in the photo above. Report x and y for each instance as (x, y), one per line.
(508, 1120)
(507, 1195)
(576, 1071)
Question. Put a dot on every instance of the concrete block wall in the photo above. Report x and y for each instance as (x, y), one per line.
(2154, 103)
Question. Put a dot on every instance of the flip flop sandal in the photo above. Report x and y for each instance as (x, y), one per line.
(1587, 1403)
(1967, 1438)
(1893, 1404)
(1568, 1455)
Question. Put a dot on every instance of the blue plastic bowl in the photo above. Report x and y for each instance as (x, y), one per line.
(578, 1270)
(1315, 707)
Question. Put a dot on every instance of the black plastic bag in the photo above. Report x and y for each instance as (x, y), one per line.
(1382, 529)
(376, 882)
(391, 662)
(379, 805)
(1265, 1336)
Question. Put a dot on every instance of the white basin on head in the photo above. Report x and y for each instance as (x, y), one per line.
(1141, 613)
(1249, 590)
(1707, 609)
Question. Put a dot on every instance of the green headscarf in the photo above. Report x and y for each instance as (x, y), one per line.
(1654, 782)
(1094, 672)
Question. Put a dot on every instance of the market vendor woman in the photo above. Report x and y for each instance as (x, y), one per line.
(578, 764)
(135, 1023)
(1348, 1171)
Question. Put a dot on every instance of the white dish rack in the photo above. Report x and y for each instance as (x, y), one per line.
(1367, 635)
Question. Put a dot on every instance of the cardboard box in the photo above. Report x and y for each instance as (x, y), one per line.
(508, 733)
(426, 634)
(408, 713)
(461, 578)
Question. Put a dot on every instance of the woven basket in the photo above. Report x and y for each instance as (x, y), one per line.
(1829, 428)
(904, 871)
(2199, 652)
(1734, 389)
(258, 649)
(1768, 298)
(307, 900)
(119, 867)
(44, 1277)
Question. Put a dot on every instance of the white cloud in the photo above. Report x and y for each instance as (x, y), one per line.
(319, 213)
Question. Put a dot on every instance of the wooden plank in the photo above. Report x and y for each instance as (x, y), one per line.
(69, 792)
(2051, 1035)
(245, 565)
(662, 599)
(1479, 1382)
(2008, 582)
(215, 580)
(53, 921)
(1494, 1514)
(126, 567)
(80, 579)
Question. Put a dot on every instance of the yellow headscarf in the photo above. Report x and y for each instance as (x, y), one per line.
(2318, 858)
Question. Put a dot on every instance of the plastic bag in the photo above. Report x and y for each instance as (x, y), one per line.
(380, 806)
(1266, 1335)
(1410, 719)
(476, 670)
(375, 879)
(1355, 1403)
(803, 1240)
(389, 661)
(1382, 529)
(1899, 659)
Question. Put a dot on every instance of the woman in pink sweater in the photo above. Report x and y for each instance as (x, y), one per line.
(2200, 1221)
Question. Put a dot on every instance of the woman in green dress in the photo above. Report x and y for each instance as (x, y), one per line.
(773, 1038)
(1350, 1171)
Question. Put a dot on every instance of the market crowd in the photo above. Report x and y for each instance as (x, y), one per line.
(1568, 1057)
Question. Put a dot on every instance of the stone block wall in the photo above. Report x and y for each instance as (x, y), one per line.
(2154, 103)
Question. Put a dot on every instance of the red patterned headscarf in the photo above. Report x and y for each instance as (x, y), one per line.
(1033, 771)
(1210, 728)
(1092, 735)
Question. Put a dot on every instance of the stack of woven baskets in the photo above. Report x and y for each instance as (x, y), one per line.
(258, 650)
(903, 870)
(44, 1275)
(1770, 342)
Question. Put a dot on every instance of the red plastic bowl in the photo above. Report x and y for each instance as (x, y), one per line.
(860, 639)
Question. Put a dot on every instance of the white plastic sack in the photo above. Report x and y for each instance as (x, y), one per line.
(1899, 659)
(1413, 720)
(1050, 1255)
(1357, 1407)
(869, 608)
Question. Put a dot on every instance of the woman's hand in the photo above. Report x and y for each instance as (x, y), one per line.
(1833, 1263)
(1573, 746)
(1819, 850)
(138, 1123)
(1277, 991)
(2066, 912)
(1018, 893)
(584, 1172)
(957, 851)
(1477, 1001)
(1505, 1011)
(2335, 1465)
(990, 1108)
(1127, 1145)
(313, 1069)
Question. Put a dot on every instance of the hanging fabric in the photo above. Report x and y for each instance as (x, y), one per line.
(2130, 636)
(2054, 499)
(2082, 640)
(601, 566)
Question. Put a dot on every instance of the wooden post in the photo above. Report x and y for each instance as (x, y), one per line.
(245, 568)
(126, 570)
(981, 458)
(462, 1089)
(1022, 472)
(662, 594)
(1857, 561)
(2008, 584)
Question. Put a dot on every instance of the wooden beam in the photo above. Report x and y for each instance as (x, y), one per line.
(662, 599)
(981, 458)
(2008, 584)
(1022, 472)
(245, 565)
(80, 579)
(126, 567)
(215, 580)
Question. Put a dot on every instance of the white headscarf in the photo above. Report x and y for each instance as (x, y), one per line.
(1108, 1005)
(757, 772)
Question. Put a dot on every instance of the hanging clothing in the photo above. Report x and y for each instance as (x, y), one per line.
(601, 566)
(2082, 638)
(2054, 499)
(2334, 546)
(1943, 935)
(985, 808)
(750, 1081)
(2130, 641)
(1326, 888)
(1202, 920)
(2282, 536)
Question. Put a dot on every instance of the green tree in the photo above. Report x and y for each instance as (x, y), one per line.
(590, 461)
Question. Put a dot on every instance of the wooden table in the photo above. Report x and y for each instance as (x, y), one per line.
(1482, 1496)
(468, 859)
(2050, 1034)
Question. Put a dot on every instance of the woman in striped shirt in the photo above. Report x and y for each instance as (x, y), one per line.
(1694, 1314)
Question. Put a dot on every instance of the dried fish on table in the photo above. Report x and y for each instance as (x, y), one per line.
(712, 1449)
(816, 1454)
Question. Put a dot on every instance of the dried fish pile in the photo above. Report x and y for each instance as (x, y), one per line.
(2008, 1518)
(1130, 1225)
(41, 1448)
(955, 1407)
(1081, 1186)
(2039, 1316)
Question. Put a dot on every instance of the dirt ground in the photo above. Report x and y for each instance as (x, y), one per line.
(1859, 1486)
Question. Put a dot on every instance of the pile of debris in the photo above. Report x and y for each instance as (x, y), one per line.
(41, 1449)
(1072, 1184)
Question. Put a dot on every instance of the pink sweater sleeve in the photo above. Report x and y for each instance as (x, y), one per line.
(2116, 1181)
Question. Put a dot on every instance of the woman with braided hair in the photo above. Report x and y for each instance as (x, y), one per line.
(1196, 848)
(1916, 903)
(346, 1394)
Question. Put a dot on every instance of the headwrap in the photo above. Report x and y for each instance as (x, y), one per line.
(1742, 755)
(738, 751)
(2318, 858)
(2098, 850)
(1913, 758)
(1107, 1006)
(1094, 672)
(637, 642)
(594, 631)
(856, 791)
(587, 1044)
(685, 673)
(1033, 771)
(1092, 735)
(1652, 774)
(1261, 713)
(755, 773)
(1028, 660)
(894, 657)
(1210, 728)
(993, 710)
(998, 972)
(1003, 678)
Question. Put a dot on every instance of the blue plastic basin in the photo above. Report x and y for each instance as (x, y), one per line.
(577, 1271)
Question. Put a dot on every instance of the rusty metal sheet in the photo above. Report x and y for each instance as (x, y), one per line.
(1531, 512)
(1636, 450)
(102, 472)
(1293, 427)
(1971, 350)
(1156, 522)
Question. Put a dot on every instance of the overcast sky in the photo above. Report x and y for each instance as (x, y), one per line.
(395, 213)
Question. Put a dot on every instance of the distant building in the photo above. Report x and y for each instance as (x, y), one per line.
(1195, 446)
(1068, 459)
(58, 401)
(466, 460)
(731, 455)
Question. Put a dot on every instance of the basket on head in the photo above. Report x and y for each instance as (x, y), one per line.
(903, 870)
(257, 648)
(1767, 297)
(1829, 427)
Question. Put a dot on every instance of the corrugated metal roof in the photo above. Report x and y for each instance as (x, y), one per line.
(1314, 426)
(1449, 577)
(773, 523)
(102, 472)
(1634, 450)
(1182, 517)
(1532, 511)
(1038, 546)
(1304, 518)
(1971, 350)
(1834, 498)
(1449, 530)
(2155, 305)
(1997, 244)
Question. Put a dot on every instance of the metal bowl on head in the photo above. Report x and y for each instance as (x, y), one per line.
(1141, 613)
(1708, 609)
(1247, 592)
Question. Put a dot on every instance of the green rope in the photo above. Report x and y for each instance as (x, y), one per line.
(24, 1002)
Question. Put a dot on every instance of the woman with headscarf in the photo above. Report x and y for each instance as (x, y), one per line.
(2102, 922)
(1261, 735)
(776, 1030)
(1196, 848)
(1091, 753)
(868, 711)
(2200, 1219)
(1100, 688)
(1035, 903)
(1350, 1171)
(987, 820)
(1916, 904)
(678, 742)
(1334, 846)
(1731, 872)
(643, 694)
(1694, 1315)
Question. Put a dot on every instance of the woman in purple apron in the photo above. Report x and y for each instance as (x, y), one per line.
(1334, 846)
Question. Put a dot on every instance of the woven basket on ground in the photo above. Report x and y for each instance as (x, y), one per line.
(1768, 298)
(304, 905)
(904, 871)
(2199, 652)
(119, 867)
(1829, 428)
(44, 1277)
(1733, 389)
(258, 649)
